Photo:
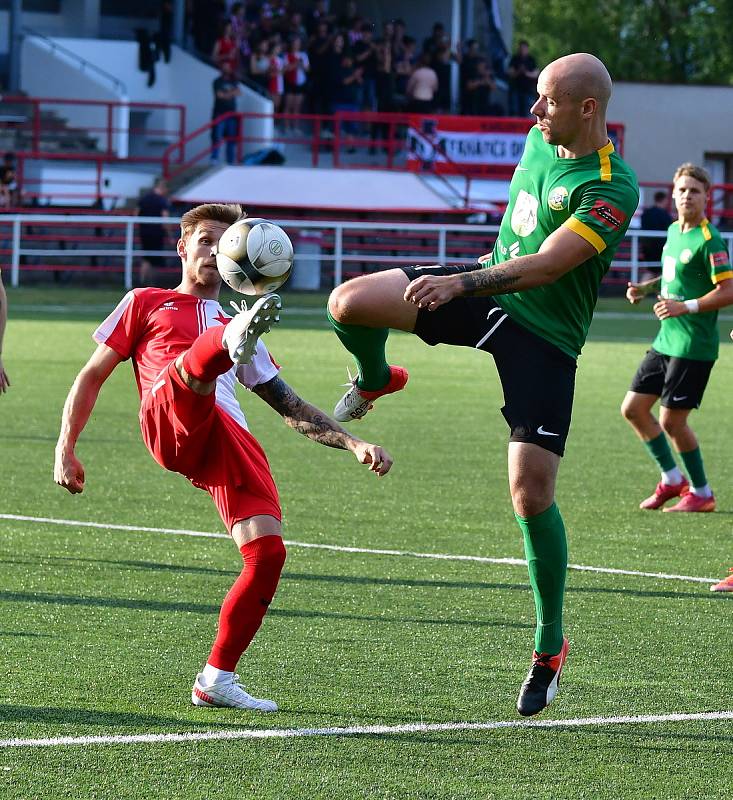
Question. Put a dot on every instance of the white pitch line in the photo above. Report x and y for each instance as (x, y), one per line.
(303, 311)
(362, 730)
(517, 562)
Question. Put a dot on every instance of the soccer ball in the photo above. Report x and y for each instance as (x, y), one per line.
(254, 256)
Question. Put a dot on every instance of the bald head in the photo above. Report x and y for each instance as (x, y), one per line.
(571, 108)
(580, 76)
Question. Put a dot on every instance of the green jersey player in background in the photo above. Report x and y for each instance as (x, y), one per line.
(695, 283)
(529, 304)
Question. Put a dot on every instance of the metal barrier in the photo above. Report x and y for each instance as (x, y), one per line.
(106, 122)
(327, 252)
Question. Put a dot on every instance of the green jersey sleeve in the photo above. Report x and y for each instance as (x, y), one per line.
(717, 258)
(603, 213)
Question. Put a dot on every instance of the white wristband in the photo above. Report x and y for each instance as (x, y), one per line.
(693, 306)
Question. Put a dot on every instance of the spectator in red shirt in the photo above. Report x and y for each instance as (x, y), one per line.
(226, 50)
(296, 68)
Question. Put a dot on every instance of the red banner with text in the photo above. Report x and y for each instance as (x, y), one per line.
(490, 146)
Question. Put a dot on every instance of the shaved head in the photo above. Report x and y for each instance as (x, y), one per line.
(580, 76)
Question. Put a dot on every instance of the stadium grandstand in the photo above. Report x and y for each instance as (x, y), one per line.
(329, 123)
(550, 385)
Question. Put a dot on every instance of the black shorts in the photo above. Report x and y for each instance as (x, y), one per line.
(537, 378)
(679, 382)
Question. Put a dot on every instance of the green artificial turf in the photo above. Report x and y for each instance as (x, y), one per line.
(103, 630)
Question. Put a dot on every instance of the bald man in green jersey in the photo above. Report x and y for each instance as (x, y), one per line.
(529, 304)
(695, 283)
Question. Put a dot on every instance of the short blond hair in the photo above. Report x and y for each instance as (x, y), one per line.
(228, 213)
(693, 171)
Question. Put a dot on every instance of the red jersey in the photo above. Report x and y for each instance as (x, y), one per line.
(154, 326)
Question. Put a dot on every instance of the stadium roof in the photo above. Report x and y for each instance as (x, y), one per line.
(327, 189)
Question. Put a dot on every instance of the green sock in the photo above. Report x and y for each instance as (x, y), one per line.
(546, 548)
(367, 347)
(661, 452)
(692, 460)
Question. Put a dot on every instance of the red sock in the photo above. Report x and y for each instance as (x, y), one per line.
(246, 603)
(207, 357)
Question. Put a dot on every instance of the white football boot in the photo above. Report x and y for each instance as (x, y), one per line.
(356, 402)
(227, 694)
(241, 334)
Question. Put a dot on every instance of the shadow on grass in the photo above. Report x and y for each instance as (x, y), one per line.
(360, 580)
(200, 608)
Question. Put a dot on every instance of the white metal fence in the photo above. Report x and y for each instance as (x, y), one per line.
(327, 252)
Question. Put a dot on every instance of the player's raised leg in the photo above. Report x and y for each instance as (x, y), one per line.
(362, 311)
(241, 334)
(260, 542)
(212, 352)
(532, 474)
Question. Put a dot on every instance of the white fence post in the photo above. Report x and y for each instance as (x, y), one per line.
(122, 137)
(634, 259)
(338, 253)
(15, 257)
(442, 235)
(128, 253)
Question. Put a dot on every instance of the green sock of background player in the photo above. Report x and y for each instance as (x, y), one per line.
(546, 548)
(367, 347)
(661, 452)
(692, 460)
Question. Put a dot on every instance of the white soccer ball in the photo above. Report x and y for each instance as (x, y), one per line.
(254, 256)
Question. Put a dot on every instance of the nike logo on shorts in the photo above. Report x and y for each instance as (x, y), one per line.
(677, 399)
(521, 168)
(543, 432)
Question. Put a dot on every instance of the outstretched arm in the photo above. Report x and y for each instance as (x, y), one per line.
(562, 251)
(313, 423)
(68, 470)
(720, 296)
(636, 291)
(4, 382)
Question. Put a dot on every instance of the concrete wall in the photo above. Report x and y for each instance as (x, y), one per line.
(184, 80)
(667, 125)
(45, 73)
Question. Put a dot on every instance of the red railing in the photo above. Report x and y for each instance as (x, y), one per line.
(77, 190)
(340, 139)
(101, 120)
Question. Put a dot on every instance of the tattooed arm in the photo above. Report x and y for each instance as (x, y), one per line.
(313, 423)
(562, 251)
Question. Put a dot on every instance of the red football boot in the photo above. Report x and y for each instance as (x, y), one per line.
(693, 502)
(726, 585)
(664, 492)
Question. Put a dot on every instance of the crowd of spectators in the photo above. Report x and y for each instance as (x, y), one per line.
(9, 191)
(320, 62)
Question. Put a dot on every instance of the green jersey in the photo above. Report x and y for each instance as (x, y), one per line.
(692, 264)
(595, 196)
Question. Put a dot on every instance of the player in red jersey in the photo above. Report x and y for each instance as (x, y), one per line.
(186, 355)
